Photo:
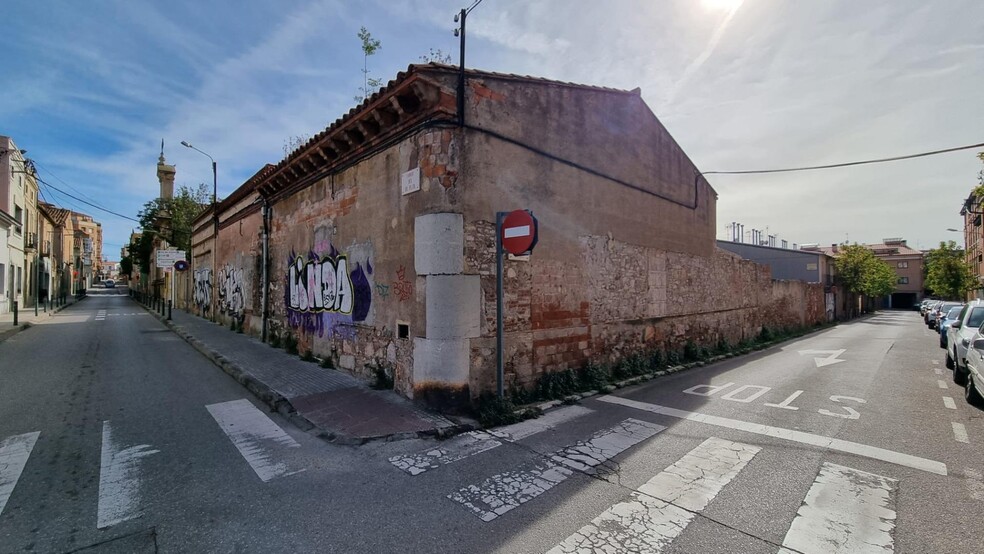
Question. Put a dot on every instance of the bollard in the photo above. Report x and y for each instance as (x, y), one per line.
(169, 310)
(15, 313)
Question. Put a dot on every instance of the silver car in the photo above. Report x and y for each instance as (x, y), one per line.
(973, 378)
(962, 332)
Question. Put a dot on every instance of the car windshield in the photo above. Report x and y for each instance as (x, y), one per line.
(954, 312)
(947, 307)
(976, 317)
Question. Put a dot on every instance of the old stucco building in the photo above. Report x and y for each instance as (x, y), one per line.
(373, 243)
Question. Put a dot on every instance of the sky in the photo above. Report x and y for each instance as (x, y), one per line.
(90, 90)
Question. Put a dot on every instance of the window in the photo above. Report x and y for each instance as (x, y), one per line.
(903, 280)
(902, 265)
(19, 216)
(3, 280)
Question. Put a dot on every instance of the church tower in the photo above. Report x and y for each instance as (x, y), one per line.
(165, 174)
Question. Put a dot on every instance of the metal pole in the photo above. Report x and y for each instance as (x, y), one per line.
(461, 75)
(15, 313)
(499, 371)
(37, 278)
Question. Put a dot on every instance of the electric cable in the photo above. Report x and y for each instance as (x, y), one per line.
(846, 164)
(49, 185)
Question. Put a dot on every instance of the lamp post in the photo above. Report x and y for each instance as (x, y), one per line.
(214, 171)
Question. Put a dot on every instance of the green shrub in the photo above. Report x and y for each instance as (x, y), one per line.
(722, 347)
(383, 377)
(290, 344)
(656, 358)
(275, 340)
(307, 356)
(556, 385)
(494, 411)
(690, 352)
(327, 362)
(766, 334)
(592, 377)
(673, 358)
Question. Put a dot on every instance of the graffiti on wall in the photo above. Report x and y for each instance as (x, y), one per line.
(232, 300)
(326, 294)
(402, 287)
(203, 289)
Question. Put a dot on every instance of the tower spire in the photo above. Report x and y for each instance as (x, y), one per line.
(161, 159)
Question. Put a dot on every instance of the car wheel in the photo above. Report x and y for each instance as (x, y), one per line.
(949, 360)
(942, 343)
(973, 395)
(959, 374)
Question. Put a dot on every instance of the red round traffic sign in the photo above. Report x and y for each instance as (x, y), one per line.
(519, 232)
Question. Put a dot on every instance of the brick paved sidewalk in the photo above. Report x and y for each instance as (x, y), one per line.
(336, 405)
(26, 318)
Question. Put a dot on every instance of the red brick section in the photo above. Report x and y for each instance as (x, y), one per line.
(560, 318)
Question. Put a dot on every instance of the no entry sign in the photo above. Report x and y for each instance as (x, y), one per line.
(519, 232)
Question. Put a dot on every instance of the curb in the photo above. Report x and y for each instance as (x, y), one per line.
(11, 331)
(280, 404)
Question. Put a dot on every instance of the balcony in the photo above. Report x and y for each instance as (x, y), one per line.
(31, 242)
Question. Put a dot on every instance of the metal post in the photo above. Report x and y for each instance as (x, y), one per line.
(15, 313)
(170, 303)
(461, 77)
(499, 371)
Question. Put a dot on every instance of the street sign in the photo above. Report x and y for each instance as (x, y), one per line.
(519, 232)
(181, 265)
(167, 258)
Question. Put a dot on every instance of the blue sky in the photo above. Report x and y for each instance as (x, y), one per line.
(89, 89)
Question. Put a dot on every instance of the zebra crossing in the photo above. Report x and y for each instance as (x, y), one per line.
(122, 472)
(844, 510)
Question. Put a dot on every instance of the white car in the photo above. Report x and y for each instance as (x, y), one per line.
(972, 378)
(961, 333)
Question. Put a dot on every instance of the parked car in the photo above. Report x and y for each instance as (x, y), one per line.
(924, 306)
(929, 310)
(973, 378)
(962, 332)
(939, 312)
(944, 325)
(109, 283)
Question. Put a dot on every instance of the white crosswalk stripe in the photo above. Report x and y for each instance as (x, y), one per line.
(261, 441)
(661, 509)
(476, 442)
(503, 492)
(101, 315)
(846, 510)
(14, 452)
(119, 480)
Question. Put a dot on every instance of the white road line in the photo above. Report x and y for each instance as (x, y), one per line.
(14, 452)
(663, 507)
(476, 442)
(938, 371)
(941, 383)
(505, 491)
(846, 510)
(119, 481)
(550, 420)
(948, 402)
(255, 435)
(458, 448)
(936, 362)
(960, 432)
(829, 443)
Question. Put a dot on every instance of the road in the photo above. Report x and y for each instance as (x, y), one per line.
(116, 436)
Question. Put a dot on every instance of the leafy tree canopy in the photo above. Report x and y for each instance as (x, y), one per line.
(947, 272)
(182, 209)
(861, 272)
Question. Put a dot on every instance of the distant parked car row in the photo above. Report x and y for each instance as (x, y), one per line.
(960, 333)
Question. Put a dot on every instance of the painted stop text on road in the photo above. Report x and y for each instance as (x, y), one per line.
(746, 394)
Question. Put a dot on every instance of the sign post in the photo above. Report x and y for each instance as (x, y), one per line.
(516, 232)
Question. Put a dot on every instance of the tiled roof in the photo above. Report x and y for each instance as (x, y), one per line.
(58, 215)
(400, 79)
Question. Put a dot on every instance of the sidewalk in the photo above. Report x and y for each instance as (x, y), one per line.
(26, 318)
(329, 403)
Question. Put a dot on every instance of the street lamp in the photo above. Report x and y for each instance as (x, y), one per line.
(214, 172)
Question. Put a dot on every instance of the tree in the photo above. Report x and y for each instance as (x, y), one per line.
(369, 47)
(126, 265)
(436, 56)
(861, 272)
(947, 272)
(182, 209)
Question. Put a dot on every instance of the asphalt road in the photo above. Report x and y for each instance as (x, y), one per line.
(116, 436)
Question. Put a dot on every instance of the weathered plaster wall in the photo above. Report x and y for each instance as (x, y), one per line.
(359, 219)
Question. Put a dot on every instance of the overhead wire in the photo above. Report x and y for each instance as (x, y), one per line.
(49, 185)
(846, 164)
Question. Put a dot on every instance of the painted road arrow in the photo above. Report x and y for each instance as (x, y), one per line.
(829, 360)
